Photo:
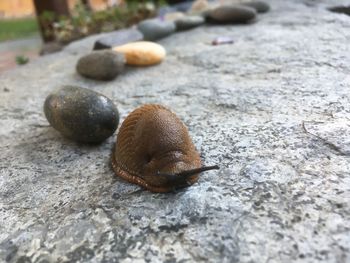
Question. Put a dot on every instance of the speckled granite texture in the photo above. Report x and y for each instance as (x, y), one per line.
(272, 109)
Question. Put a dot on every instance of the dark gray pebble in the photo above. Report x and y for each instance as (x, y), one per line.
(154, 29)
(231, 14)
(188, 22)
(81, 114)
(118, 38)
(340, 9)
(259, 6)
(101, 65)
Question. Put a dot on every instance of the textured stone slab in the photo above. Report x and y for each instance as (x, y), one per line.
(272, 110)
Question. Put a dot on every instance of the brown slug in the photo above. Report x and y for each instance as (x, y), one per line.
(154, 150)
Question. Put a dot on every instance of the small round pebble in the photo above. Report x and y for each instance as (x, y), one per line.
(232, 14)
(259, 6)
(117, 38)
(101, 65)
(154, 29)
(142, 53)
(81, 114)
(188, 22)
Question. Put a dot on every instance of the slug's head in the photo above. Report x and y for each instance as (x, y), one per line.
(167, 174)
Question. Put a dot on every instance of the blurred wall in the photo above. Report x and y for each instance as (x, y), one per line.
(16, 8)
(22, 8)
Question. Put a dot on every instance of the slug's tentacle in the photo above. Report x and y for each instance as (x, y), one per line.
(183, 178)
(188, 173)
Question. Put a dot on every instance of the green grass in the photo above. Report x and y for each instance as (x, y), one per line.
(17, 28)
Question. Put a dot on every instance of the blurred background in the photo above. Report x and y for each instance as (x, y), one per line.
(29, 28)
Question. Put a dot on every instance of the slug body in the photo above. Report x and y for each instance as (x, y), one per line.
(155, 151)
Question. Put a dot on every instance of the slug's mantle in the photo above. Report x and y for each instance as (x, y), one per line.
(155, 151)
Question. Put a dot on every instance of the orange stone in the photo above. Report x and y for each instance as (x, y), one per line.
(142, 53)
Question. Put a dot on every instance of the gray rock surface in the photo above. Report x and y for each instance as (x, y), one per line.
(272, 110)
